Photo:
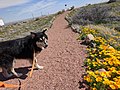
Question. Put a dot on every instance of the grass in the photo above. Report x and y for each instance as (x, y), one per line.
(23, 28)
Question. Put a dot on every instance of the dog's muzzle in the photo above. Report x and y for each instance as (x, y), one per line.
(42, 45)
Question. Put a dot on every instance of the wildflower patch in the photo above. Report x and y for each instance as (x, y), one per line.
(102, 66)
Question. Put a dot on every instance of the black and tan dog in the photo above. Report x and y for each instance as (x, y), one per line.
(22, 48)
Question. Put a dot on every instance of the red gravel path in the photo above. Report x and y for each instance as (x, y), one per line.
(62, 61)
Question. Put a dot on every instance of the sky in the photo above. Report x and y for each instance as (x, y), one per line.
(15, 10)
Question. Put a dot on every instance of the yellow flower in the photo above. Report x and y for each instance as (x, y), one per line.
(118, 77)
(98, 79)
(118, 85)
(110, 62)
(105, 63)
(118, 72)
(92, 55)
(112, 86)
(96, 72)
(98, 61)
(94, 84)
(115, 79)
(112, 69)
(94, 64)
(100, 52)
(103, 74)
(117, 62)
(105, 47)
(94, 89)
(106, 81)
(87, 78)
(91, 73)
(88, 60)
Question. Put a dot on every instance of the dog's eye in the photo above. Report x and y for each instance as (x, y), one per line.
(40, 39)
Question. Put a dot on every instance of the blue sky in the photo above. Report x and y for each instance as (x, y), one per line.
(14, 10)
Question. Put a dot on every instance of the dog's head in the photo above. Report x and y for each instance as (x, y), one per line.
(40, 39)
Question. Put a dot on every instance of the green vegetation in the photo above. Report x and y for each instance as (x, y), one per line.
(103, 61)
(103, 66)
(110, 35)
(21, 29)
(104, 18)
(104, 13)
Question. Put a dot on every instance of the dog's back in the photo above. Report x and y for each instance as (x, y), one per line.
(18, 48)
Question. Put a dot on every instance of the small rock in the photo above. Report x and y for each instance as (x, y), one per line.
(102, 70)
(76, 28)
(89, 40)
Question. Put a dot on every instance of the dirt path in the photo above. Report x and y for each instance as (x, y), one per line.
(62, 61)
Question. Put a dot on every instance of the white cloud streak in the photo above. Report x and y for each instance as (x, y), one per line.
(8, 3)
(38, 6)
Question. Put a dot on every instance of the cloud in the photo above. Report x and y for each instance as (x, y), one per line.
(38, 6)
(8, 3)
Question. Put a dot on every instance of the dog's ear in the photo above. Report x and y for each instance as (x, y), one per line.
(45, 33)
(44, 30)
(33, 34)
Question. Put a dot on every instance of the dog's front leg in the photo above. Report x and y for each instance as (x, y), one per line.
(16, 74)
(37, 65)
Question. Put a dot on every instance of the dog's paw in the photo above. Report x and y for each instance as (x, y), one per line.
(38, 66)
